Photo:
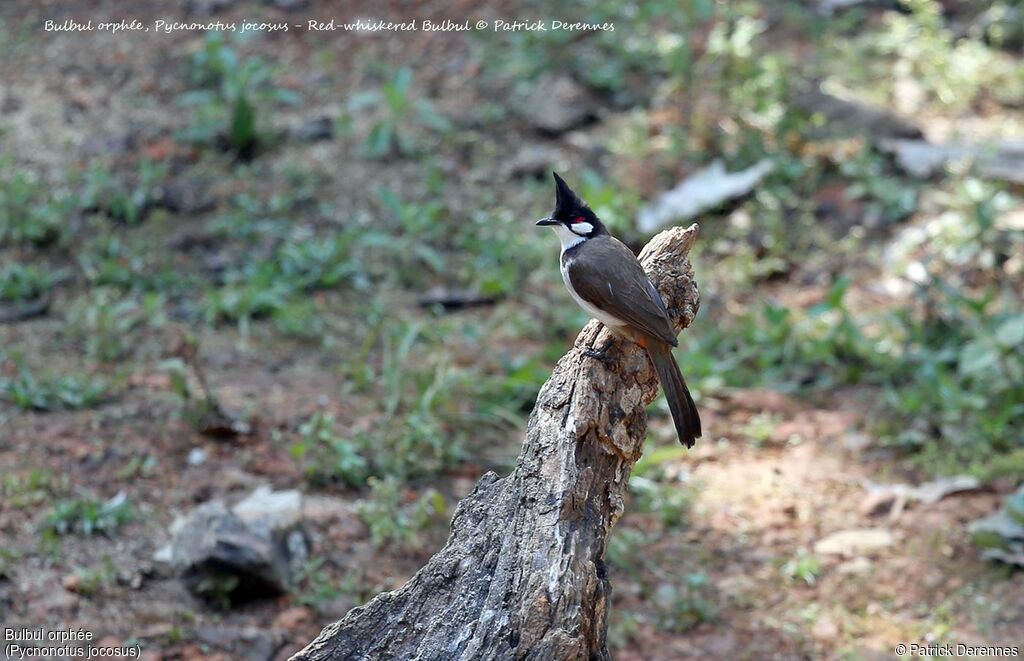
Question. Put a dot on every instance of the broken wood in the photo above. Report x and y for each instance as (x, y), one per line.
(523, 572)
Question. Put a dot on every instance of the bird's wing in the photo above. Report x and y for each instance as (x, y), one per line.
(612, 280)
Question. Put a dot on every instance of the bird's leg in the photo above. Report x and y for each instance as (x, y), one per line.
(602, 353)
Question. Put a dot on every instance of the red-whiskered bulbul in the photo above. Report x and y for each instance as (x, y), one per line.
(608, 282)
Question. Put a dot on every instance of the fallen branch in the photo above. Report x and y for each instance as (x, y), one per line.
(523, 572)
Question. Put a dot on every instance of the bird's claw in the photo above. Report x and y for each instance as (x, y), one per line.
(599, 354)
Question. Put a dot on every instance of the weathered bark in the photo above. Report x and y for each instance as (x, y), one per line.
(522, 575)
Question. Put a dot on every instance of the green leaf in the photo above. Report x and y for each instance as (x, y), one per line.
(243, 123)
(1010, 333)
(977, 357)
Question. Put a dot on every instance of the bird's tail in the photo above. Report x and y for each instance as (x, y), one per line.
(680, 403)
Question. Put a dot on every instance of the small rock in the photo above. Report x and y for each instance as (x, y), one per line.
(877, 502)
(720, 645)
(856, 441)
(1001, 535)
(533, 160)
(455, 299)
(293, 618)
(184, 196)
(704, 190)
(1010, 221)
(255, 548)
(336, 608)
(894, 497)
(196, 457)
(825, 629)
(56, 603)
(858, 565)
(1003, 160)
(762, 400)
(557, 104)
(854, 542)
(326, 510)
(846, 117)
(72, 582)
(314, 130)
(273, 509)
(248, 643)
(208, 7)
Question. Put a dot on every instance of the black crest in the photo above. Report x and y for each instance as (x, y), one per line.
(566, 200)
(570, 208)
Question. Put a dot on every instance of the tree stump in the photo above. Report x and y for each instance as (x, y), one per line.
(522, 575)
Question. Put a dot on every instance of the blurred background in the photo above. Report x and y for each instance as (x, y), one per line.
(298, 269)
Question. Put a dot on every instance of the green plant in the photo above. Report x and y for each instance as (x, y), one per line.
(315, 586)
(200, 407)
(106, 322)
(271, 287)
(953, 72)
(804, 567)
(29, 213)
(231, 97)
(414, 244)
(320, 262)
(787, 347)
(327, 457)
(31, 489)
(392, 132)
(391, 521)
(125, 200)
(684, 604)
(8, 557)
(669, 500)
(92, 581)
(69, 391)
(218, 589)
(107, 260)
(956, 391)
(760, 429)
(245, 301)
(887, 197)
(87, 516)
(25, 282)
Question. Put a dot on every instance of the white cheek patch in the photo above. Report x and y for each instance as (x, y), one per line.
(567, 238)
(582, 229)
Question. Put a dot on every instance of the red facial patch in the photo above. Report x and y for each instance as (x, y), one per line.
(579, 219)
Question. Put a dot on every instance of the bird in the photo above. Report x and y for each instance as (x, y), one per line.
(606, 279)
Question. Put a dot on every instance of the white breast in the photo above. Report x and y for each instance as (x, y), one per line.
(600, 315)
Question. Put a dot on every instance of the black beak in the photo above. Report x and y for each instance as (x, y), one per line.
(546, 221)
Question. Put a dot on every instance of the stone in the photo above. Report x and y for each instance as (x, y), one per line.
(290, 5)
(881, 498)
(854, 542)
(533, 160)
(704, 190)
(196, 456)
(858, 565)
(184, 196)
(1001, 535)
(825, 629)
(557, 104)
(248, 643)
(208, 7)
(1003, 160)
(314, 130)
(848, 118)
(293, 618)
(252, 550)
